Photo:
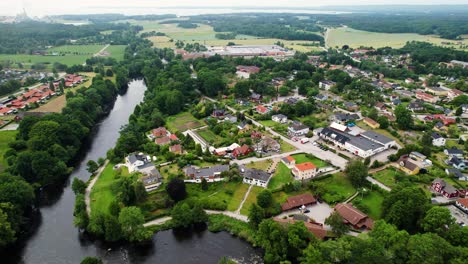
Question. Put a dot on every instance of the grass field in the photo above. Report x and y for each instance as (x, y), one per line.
(251, 199)
(220, 192)
(77, 49)
(356, 38)
(101, 194)
(182, 122)
(387, 177)
(260, 165)
(116, 51)
(29, 60)
(301, 158)
(209, 136)
(336, 188)
(5, 138)
(281, 176)
(373, 202)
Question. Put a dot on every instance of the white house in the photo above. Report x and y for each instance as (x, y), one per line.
(255, 177)
(304, 171)
(133, 161)
(141, 163)
(296, 129)
(454, 152)
(280, 118)
(327, 85)
(437, 140)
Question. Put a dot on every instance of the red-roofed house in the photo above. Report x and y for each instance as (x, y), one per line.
(288, 161)
(173, 137)
(304, 171)
(462, 203)
(297, 201)
(159, 132)
(454, 93)
(176, 149)
(6, 111)
(427, 97)
(316, 229)
(241, 151)
(163, 140)
(262, 109)
(354, 217)
(248, 69)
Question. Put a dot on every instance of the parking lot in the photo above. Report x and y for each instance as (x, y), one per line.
(458, 214)
(319, 212)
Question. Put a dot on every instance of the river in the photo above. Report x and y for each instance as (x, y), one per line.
(56, 240)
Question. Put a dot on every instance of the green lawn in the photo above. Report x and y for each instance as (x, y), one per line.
(228, 193)
(101, 194)
(281, 176)
(387, 177)
(116, 51)
(301, 158)
(29, 60)
(209, 136)
(335, 189)
(260, 165)
(372, 202)
(251, 199)
(77, 49)
(5, 138)
(268, 123)
(182, 122)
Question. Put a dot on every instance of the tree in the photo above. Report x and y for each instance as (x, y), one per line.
(78, 186)
(298, 239)
(198, 214)
(140, 191)
(394, 241)
(242, 89)
(383, 122)
(404, 118)
(7, 234)
(112, 227)
(336, 222)
(437, 220)
(81, 219)
(357, 172)
(182, 215)
(204, 184)
(265, 199)
(131, 222)
(176, 189)
(91, 260)
(273, 238)
(109, 73)
(459, 111)
(405, 207)
(256, 215)
(92, 166)
(428, 248)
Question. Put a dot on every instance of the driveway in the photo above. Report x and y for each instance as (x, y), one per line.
(319, 212)
(383, 156)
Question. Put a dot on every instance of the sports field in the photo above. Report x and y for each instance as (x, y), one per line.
(356, 38)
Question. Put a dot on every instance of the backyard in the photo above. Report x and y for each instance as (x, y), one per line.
(334, 189)
(302, 157)
(281, 176)
(388, 176)
(371, 204)
(229, 194)
(209, 136)
(182, 121)
(251, 199)
(5, 138)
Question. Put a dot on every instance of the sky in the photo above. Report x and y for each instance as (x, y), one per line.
(57, 7)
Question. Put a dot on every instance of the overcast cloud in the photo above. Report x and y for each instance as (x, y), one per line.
(54, 7)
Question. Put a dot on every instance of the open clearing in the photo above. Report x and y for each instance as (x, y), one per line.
(336, 188)
(77, 49)
(182, 121)
(116, 51)
(356, 38)
(372, 202)
(5, 138)
(228, 193)
(281, 176)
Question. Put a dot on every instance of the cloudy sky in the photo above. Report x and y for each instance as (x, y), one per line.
(54, 7)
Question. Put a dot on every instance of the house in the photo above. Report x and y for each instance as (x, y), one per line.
(437, 140)
(415, 107)
(241, 151)
(224, 150)
(280, 118)
(409, 81)
(407, 165)
(426, 97)
(350, 106)
(160, 132)
(152, 180)
(261, 109)
(162, 140)
(218, 113)
(297, 129)
(462, 204)
(210, 174)
(6, 111)
(142, 163)
(439, 126)
(454, 152)
(315, 228)
(133, 161)
(344, 119)
(243, 127)
(230, 118)
(396, 102)
(304, 171)
(354, 217)
(298, 201)
(439, 91)
(288, 161)
(380, 106)
(327, 85)
(390, 117)
(371, 122)
(457, 163)
(456, 173)
(267, 144)
(454, 93)
(173, 137)
(245, 71)
(177, 149)
(255, 177)
(255, 97)
(444, 188)
(458, 63)
(291, 100)
(321, 97)
(417, 156)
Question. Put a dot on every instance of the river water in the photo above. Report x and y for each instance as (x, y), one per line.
(56, 240)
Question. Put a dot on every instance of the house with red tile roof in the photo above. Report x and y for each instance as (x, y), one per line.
(304, 171)
(462, 203)
(288, 161)
(241, 151)
(159, 132)
(162, 140)
(177, 149)
(454, 93)
(6, 111)
(427, 97)
(262, 109)
(354, 217)
(297, 201)
(316, 229)
(173, 137)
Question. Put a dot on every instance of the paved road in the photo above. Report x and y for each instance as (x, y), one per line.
(90, 187)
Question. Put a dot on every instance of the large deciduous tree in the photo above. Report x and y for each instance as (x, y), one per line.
(176, 189)
(357, 172)
(404, 118)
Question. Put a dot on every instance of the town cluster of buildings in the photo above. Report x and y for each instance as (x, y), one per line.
(247, 51)
(21, 75)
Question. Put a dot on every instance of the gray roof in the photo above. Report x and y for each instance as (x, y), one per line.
(205, 172)
(346, 117)
(296, 126)
(257, 174)
(379, 138)
(281, 116)
(436, 135)
(455, 172)
(359, 142)
(152, 178)
(446, 186)
(454, 151)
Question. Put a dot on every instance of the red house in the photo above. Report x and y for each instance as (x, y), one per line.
(444, 188)
(241, 151)
(298, 201)
(159, 132)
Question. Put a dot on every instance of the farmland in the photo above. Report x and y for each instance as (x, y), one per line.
(182, 122)
(356, 38)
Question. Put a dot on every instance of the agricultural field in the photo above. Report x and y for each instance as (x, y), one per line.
(182, 121)
(28, 60)
(77, 49)
(301, 158)
(5, 138)
(281, 176)
(101, 194)
(356, 38)
(116, 51)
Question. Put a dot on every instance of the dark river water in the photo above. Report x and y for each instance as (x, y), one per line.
(56, 240)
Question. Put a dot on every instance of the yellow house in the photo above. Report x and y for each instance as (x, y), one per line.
(406, 165)
(371, 122)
